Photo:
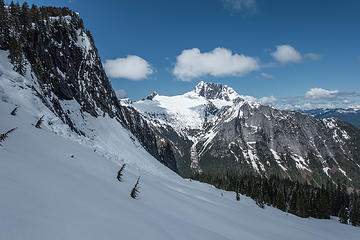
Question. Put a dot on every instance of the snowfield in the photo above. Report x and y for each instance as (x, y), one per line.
(57, 185)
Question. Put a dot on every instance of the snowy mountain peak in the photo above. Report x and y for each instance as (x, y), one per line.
(152, 95)
(215, 91)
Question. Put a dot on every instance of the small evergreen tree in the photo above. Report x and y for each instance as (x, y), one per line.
(344, 215)
(13, 112)
(135, 191)
(16, 56)
(4, 136)
(324, 204)
(39, 122)
(4, 26)
(120, 173)
(237, 196)
(355, 210)
(260, 203)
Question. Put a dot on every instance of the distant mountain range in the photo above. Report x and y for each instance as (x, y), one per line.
(350, 115)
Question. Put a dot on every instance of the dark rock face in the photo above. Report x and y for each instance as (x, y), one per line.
(65, 62)
(166, 154)
(214, 91)
(151, 96)
(266, 140)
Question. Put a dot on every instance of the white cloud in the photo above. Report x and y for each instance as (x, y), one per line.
(264, 100)
(313, 56)
(247, 6)
(320, 98)
(121, 93)
(286, 54)
(131, 67)
(220, 62)
(266, 75)
(268, 100)
(320, 93)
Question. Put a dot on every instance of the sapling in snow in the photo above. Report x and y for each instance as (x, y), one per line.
(120, 173)
(237, 196)
(135, 191)
(4, 136)
(39, 122)
(13, 112)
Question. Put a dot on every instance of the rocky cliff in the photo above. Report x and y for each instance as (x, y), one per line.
(52, 46)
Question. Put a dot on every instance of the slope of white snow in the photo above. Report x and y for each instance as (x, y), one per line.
(55, 184)
(186, 111)
(183, 111)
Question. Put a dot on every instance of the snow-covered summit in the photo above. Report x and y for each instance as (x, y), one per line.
(152, 95)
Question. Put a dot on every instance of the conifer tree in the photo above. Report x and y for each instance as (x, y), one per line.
(14, 10)
(16, 56)
(237, 196)
(24, 15)
(324, 204)
(293, 202)
(13, 112)
(39, 122)
(34, 14)
(4, 136)
(4, 26)
(135, 191)
(344, 215)
(355, 210)
(120, 173)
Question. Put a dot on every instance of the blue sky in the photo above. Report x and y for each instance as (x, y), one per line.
(301, 52)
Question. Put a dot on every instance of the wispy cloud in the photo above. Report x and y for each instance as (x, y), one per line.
(121, 93)
(266, 75)
(313, 56)
(131, 67)
(220, 62)
(245, 7)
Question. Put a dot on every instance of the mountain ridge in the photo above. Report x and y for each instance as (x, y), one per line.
(218, 131)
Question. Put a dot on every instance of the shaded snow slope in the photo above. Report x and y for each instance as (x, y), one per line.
(58, 185)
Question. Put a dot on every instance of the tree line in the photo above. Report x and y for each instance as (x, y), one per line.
(301, 199)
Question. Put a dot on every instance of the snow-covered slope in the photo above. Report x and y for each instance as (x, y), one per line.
(56, 184)
(188, 111)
